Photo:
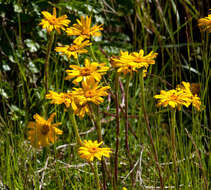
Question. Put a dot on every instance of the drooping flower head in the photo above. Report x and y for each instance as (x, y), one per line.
(205, 23)
(90, 70)
(91, 149)
(74, 49)
(51, 22)
(42, 132)
(128, 63)
(83, 28)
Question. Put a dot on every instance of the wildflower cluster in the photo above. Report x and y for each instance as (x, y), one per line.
(175, 98)
(88, 92)
(87, 79)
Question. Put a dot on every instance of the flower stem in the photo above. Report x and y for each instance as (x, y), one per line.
(126, 114)
(117, 130)
(149, 131)
(173, 139)
(97, 122)
(127, 126)
(75, 127)
(93, 55)
(95, 170)
(50, 43)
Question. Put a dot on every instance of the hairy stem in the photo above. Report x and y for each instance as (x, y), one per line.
(75, 127)
(50, 43)
(117, 130)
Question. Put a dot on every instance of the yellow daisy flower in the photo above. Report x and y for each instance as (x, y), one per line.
(143, 61)
(195, 100)
(50, 22)
(173, 98)
(81, 109)
(205, 23)
(123, 63)
(74, 49)
(91, 149)
(90, 70)
(127, 63)
(90, 92)
(60, 98)
(42, 132)
(182, 95)
(83, 28)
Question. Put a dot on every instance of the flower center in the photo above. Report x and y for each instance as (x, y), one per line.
(93, 150)
(52, 20)
(45, 129)
(174, 97)
(85, 31)
(89, 94)
(85, 72)
(72, 48)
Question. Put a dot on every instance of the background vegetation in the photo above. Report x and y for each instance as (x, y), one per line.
(166, 27)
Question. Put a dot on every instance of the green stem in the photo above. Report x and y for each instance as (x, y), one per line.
(97, 123)
(50, 43)
(126, 114)
(78, 61)
(149, 131)
(93, 55)
(173, 140)
(127, 126)
(75, 127)
(95, 170)
(117, 131)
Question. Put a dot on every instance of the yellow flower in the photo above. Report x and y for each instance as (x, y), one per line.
(73, 50)
(124, 188)
(91, 70)
(83, 28)
(173, 98)
(91, 149)
(90, 92)
(42, 132)
(50, 22)
(60, 98)
(143, 61)
(182, 95)
(127, 63)
(205, 23)
(196, 102)
(81, 110)
(79, 98)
